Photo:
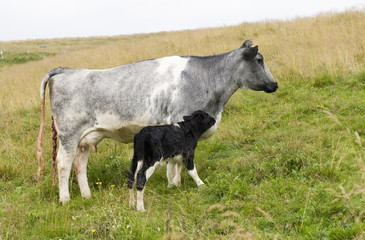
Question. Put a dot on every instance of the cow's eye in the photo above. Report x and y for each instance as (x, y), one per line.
(260, 60)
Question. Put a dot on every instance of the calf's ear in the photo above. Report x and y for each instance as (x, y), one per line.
(186, 118)
(250, 53)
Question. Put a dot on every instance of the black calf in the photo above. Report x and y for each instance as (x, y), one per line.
(175, 142)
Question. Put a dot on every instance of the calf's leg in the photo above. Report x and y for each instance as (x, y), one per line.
(142, 177)
(132, 175)
(192, 170)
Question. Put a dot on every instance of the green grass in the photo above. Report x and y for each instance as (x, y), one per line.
(20, 58)
(286, 165)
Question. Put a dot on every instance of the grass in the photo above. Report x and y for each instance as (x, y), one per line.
(288, 165)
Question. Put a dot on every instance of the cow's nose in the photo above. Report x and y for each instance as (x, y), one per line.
(272, 87)
(275, 86)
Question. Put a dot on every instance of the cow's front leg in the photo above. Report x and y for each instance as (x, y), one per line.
(170, 173)
(80, 166)
(64, 164)
(189, 163)
(177, 178)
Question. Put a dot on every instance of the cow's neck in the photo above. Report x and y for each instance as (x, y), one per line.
(219, 71)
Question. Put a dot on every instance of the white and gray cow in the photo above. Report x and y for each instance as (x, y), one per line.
(89, 105)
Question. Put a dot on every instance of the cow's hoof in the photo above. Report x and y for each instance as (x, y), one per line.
(64, 201)
(86, 195)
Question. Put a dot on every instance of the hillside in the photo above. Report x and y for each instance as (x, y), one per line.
(288, 165)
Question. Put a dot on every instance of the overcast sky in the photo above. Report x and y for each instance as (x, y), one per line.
(36, 19)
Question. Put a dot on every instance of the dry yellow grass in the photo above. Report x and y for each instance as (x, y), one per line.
(328, 43)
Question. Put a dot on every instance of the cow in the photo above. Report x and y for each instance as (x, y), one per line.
(89, 105)
(175, 143)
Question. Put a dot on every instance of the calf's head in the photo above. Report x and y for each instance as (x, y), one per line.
(201, 120)
(252, 72)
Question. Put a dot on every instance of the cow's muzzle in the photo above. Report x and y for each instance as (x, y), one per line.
(271, 87)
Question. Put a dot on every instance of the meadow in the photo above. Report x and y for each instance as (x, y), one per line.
(287, 165)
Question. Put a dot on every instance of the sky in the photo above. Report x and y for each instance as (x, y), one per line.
(38, 19)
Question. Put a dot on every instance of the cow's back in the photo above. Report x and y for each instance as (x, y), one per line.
(124, 98)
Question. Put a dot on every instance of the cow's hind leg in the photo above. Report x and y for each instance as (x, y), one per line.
(80, 166)
(65, 159)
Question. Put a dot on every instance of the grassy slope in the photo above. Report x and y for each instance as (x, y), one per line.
(286, 165)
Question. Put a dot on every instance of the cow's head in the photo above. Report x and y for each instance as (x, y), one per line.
(252, 72)
(201, 120)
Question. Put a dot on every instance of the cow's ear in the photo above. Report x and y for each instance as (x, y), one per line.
(250, 53)
(186, 118)
(247, 44)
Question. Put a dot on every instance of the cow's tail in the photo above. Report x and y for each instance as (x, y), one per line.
(41, 127)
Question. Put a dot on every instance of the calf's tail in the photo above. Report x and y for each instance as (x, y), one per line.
(137, 153)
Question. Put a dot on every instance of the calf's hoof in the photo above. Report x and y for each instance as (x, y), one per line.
(132, 204)
(140, 209)
(201, 186)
